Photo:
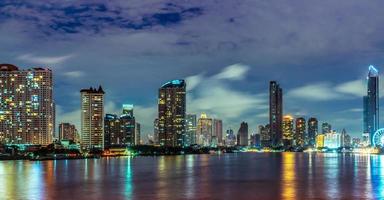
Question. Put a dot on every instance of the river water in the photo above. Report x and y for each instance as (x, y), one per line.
(228, 176)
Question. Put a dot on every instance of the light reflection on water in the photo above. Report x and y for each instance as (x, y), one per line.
(229, 176)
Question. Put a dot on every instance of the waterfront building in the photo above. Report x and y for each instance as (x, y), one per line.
(265, 137)
(218, 131)
(171, 113)
(92, 121)
(356, 142)
(27, 109)
(67, 131)
(300, 132)
(288, 131)
(326, 128)
(230, 140)
(332, 140)
(320, 140)
(275, 113)
(371, 104)
(112, 134)
(204, 130)
(313, 129)
(256, 140)
(137, 133)
(243, 134)
(190, 126)
(156, 131)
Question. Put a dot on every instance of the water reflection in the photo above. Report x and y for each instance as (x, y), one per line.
(288, 176)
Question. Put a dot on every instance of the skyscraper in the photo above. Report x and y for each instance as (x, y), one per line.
(300, 132)
(326, 128)
(67, 131)
(275, 113)
(92, 121)
(243, 134)
(265, 138)
(156, 131)
(26, 105)
(190, 136)
(112, 134)
(171, 108)
(218, 131)
(137, 139)
(288, 131)
(204, 130)
(230, 139)
(313, 129)
(371, 104)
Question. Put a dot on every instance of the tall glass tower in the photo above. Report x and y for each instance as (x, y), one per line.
(371, 104)
(275, 113)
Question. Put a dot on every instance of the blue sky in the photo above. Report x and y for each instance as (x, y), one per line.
(227, 50)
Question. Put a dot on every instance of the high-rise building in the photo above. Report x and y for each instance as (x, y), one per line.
(217, 135)
(92, 121)
(121, 131)
(255, 140)
(137, 134)
(300, 132)
(326, 128)
(265, 137)
(190, 136)
(345, 139)
(288, 131)
(243, 134)
(332, 140)
(371, 104)
(26, 105)
(204, 130)
(171, 108)
(156, 131)
(67, 131)
(230, 140)
(320, 140)
(275, 113)
(313, 129)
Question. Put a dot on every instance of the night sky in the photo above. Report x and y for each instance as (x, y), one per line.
(227, 50)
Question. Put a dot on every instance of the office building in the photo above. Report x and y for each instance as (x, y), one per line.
(190, 135)
(230, 140)
(92, 120)
(275, 113)
(67, 131)
(204, 130)
(288, 131)
(326, 128)
(156, 131)
(217, 132)
(313, 129)
(243, 134)
(300, 132)
(332, 140)
(27, 110)
(137, 134)
(171, 113)
(265, 137)
(371, 105)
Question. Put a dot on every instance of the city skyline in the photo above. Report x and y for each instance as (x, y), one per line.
(326, 78)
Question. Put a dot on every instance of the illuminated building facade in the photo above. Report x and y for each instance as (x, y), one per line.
(288, 131)
(371, 105)
(204, 130)
(190, 125)
(275, 113)
(320, 140)
(137, 134)
(67, 131)
(27, 110)
(300, 132)
(156, 131)
(332, 140)
(265, 137)
(313, 130)
(217, 136)
(230, 140)
(171, 113)
(92, 121)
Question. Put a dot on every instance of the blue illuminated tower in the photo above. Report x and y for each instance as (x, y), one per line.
(371, 104)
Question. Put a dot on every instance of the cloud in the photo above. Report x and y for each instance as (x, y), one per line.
(233, 72)
(315, 92)
(357, 88)
(193, 81)
(74, 74)
(44, 60)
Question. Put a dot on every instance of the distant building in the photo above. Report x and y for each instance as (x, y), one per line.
(332, 140)
(265, 137)
(371, 104)
(243, 134)
(230, 140)
(300, 132)
(92, 121)
(320, 141)
(255, 140)
(356, 142)
(345, 139)
(137, 134)
(288, 131)
(171, 111)
(156, 131)
(27, 109)
(275, 113)
(204, 130)
(313, 129)
(190, 126)
(112, 130)
(326, 128)
(218, 131)
(67, 131)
